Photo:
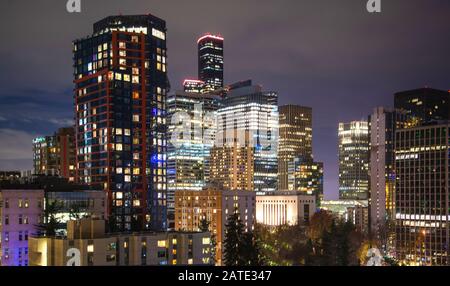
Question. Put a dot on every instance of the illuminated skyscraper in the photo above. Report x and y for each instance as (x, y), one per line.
(295, 128)
(120, 96)
(354, 160)
(55, 155)
(422, 198)
(247, 139)
(210, 61)
(191, 135)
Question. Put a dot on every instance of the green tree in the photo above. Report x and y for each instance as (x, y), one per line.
(232, 244)
(49, 220)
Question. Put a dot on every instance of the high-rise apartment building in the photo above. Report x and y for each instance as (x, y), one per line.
(354, 160)
(295, 133)
(120, 110)
(426, 104)
(245, 153)
(210, 61)
(191, 136)
(55, 155)
(422, 198)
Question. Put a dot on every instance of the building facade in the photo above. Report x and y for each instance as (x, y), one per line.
(426, 104)
(295, 133)
(210, 61)
(246, 138)
(383, 124)
(306, 176)
(20, 213)
(55, 155)
(120, 110)
(213, 205)
(87, 244)
(284, 208)
(354, 160)
(422, 195)
(191, 132)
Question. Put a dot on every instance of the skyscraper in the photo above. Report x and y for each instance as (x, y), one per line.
(210, 61)
(383, 124)
(427, 104)
(55, 154)
(247, 139)
(422, 205)
(120, 95)
(354, 160)
(191, 135)
(295, 133)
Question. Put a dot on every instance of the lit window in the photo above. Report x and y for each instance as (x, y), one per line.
(90, 248)
(161, 243)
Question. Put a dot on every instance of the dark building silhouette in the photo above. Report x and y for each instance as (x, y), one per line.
(427, 104)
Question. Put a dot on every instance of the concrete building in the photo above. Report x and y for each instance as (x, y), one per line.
(214, 205)
(87, 244)
(383, 123)
(20, 212)
(280, 208)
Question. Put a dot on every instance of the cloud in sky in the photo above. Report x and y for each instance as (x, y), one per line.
(16, 149)
(330, 55)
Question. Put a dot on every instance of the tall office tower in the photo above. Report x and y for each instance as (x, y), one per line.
(55, 154)
(191, 136)
(306, 176)
(422, 203)
(383, 124)
(246, 140)
(295, 127)
(193, 86)
(354, 160)
(210, 61)
(427, 104)
(120, 96)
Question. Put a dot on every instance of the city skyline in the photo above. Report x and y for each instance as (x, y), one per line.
(326, 63)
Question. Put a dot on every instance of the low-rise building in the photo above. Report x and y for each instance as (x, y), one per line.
(213, 205)
(22, 213)
(87, 244)
(280, 208)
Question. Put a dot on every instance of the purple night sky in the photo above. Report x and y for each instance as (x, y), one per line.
(330, 55)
